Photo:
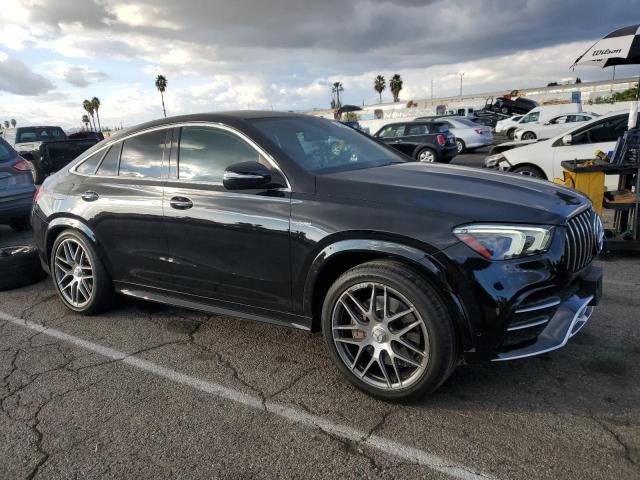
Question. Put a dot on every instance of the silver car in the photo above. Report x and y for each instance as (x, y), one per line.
(469, 135)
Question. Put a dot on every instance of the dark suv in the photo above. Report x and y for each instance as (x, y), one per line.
(16, 188)
(424, 141)
(407, 268)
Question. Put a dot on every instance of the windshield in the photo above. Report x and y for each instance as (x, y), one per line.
(323, 146)
(39, 134)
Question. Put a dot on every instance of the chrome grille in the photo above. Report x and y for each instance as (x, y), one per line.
(581, 240)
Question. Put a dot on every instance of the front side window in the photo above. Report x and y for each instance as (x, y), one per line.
(608, 130)
(142, 155)
(109, 165)
(205, 153)
(392, 131)
(531, 117)
(322, 146)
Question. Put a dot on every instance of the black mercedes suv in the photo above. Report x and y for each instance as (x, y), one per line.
(407, 268)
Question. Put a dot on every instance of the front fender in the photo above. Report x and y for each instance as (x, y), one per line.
(422, 261)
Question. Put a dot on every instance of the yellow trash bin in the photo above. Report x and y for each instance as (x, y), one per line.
(589, 183)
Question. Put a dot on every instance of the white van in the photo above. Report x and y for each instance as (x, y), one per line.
(544, 113)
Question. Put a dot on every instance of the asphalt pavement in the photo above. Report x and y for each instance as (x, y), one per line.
(149, 391)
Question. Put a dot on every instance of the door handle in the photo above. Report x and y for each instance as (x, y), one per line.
(397, 141)
(89, 196)
(180, 203)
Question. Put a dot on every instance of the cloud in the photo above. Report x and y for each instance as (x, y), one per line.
(17, 78)
(77, 75)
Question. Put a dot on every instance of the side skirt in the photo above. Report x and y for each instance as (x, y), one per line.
(177, 299)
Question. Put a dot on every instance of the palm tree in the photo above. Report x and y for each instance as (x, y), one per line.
(13, 122)
(395, 85)
(161, 85)
(337, 88)
(95, 102)
(85, 120)
(88, 106)
(6, 124)
(379, 84)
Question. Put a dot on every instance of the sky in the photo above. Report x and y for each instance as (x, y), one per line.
(282, 54)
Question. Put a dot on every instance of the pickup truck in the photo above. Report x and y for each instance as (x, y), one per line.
(510, 106)
(46, 148)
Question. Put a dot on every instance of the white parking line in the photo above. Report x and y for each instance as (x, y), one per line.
(292, 414)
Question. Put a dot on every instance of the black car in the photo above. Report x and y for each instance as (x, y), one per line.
(16, 188)
(425, 141)
(510, 106)
(407, 268)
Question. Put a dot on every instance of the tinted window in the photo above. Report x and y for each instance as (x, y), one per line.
(418, 129)
(604, 131)
(109, 165)
(322, 146)
(39, 134)
(142, 155)
(392, 131)
(88, 167)
(205, 153)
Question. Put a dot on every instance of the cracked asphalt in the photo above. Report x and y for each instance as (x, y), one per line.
(70, 411)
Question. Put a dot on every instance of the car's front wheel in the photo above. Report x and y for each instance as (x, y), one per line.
(388, 331)
(460, 145)
(530, 171)
(79, 276)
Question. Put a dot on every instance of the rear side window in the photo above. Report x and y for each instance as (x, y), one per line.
(418, 129)
(205, 153)
(88, 167)
(142, 155)
(109, 165)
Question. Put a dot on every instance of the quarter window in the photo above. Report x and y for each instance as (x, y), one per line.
(88, 167)
(142, 155)
(109, 165)
(205, 153)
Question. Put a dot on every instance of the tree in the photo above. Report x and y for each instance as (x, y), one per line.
(552, 84)
(95, 102)
(88, 106)
(161, 85)
(85, 120)
(379, 84)
(578, 80)
(337, 88)
(6, 124)
(395, 85)
(13, 122)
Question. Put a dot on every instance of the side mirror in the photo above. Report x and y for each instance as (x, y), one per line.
(567, 139)
(247, 176)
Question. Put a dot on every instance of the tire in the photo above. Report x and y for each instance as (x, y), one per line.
(36, 172)
(434, 332)
(511, 133)
(530, 171)
(528, 136)
(460, 145)
(427, 155)
(20, 224)
(19, 266)
(90, 284)
(504, 110)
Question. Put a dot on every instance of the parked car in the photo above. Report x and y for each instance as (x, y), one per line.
(469, 135)
(542, 159)
(86, 134)
(555, 126)
(508, 125)
(407, 268)
(425, 141)
(16, 188)
(510, 106)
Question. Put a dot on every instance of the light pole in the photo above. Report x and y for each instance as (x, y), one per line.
(461, 74)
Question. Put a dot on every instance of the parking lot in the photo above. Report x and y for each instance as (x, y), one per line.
(148, 391)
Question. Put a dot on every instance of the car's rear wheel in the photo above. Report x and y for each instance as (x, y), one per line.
(505, 110)
(79, 277)
(460, 145)
(388, 331)
(530, 171)
(426, 155)
(528, 136)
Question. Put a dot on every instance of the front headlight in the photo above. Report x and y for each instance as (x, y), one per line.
(492, 161)
(502, 242)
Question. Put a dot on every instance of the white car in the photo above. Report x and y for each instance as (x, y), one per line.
(554, 127)
(508, 125)
(469, 135)
(542, 159)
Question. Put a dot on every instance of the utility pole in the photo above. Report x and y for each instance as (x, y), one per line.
(461, 74)
(431, 89)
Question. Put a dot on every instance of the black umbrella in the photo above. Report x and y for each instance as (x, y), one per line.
(621, 47)
(348, 108)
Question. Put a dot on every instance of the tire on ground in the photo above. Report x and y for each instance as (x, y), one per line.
(19, 266)
(530, 171)
(443, 346)
(102, 293)
(427, 150)
(461, 145)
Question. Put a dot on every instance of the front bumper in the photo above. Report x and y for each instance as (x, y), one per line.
(570, 316)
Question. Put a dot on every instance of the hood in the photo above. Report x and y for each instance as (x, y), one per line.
(469, 195)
